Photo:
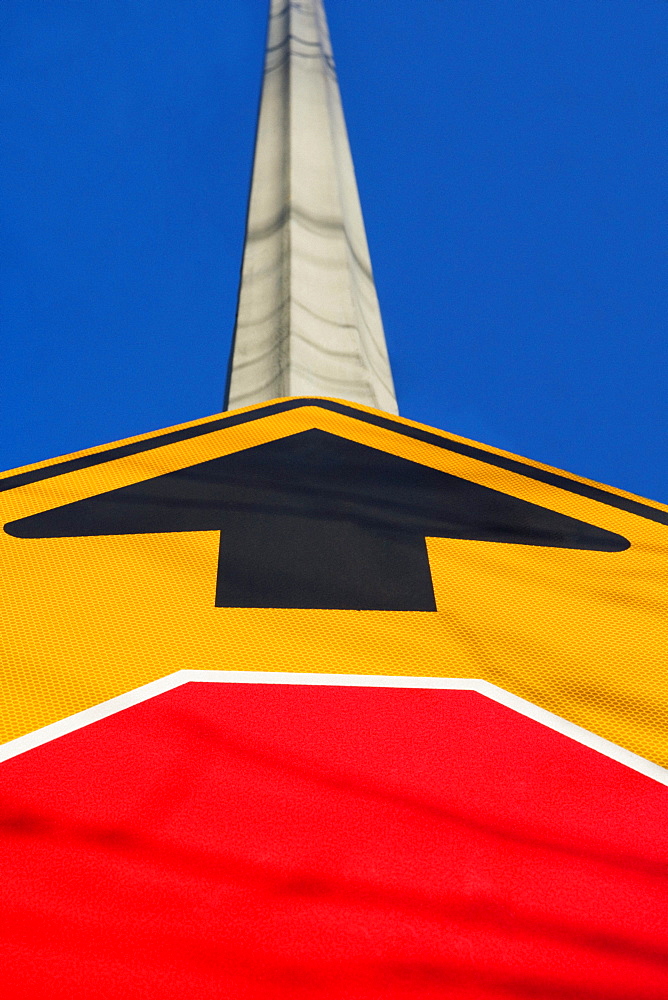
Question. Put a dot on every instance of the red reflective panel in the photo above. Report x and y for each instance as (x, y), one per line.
(269, 841)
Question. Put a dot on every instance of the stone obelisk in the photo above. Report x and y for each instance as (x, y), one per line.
(308, 320)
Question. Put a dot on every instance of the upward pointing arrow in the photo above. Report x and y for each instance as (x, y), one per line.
(316, 521)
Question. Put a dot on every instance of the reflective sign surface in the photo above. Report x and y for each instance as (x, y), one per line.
(279, 841)
(313, 535)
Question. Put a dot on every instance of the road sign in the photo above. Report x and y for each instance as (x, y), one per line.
(308, 700)
(320, 536)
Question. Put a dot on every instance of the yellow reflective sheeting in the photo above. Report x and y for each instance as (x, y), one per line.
(583, 634)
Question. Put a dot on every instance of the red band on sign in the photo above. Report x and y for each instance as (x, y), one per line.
(273, 841)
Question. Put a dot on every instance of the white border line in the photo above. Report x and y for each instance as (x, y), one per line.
(147, 691)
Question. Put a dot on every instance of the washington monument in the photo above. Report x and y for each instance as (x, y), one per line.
(308, 321)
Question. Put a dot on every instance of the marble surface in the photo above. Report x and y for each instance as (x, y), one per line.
(308, 320)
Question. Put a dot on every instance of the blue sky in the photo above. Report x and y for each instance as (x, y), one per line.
(511, 162)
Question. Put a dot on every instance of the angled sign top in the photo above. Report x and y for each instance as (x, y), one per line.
(319, 536)
(314, 520)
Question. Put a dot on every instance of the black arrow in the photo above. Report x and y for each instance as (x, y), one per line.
(316, 521)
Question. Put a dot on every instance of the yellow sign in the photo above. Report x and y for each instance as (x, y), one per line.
(318, 536)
